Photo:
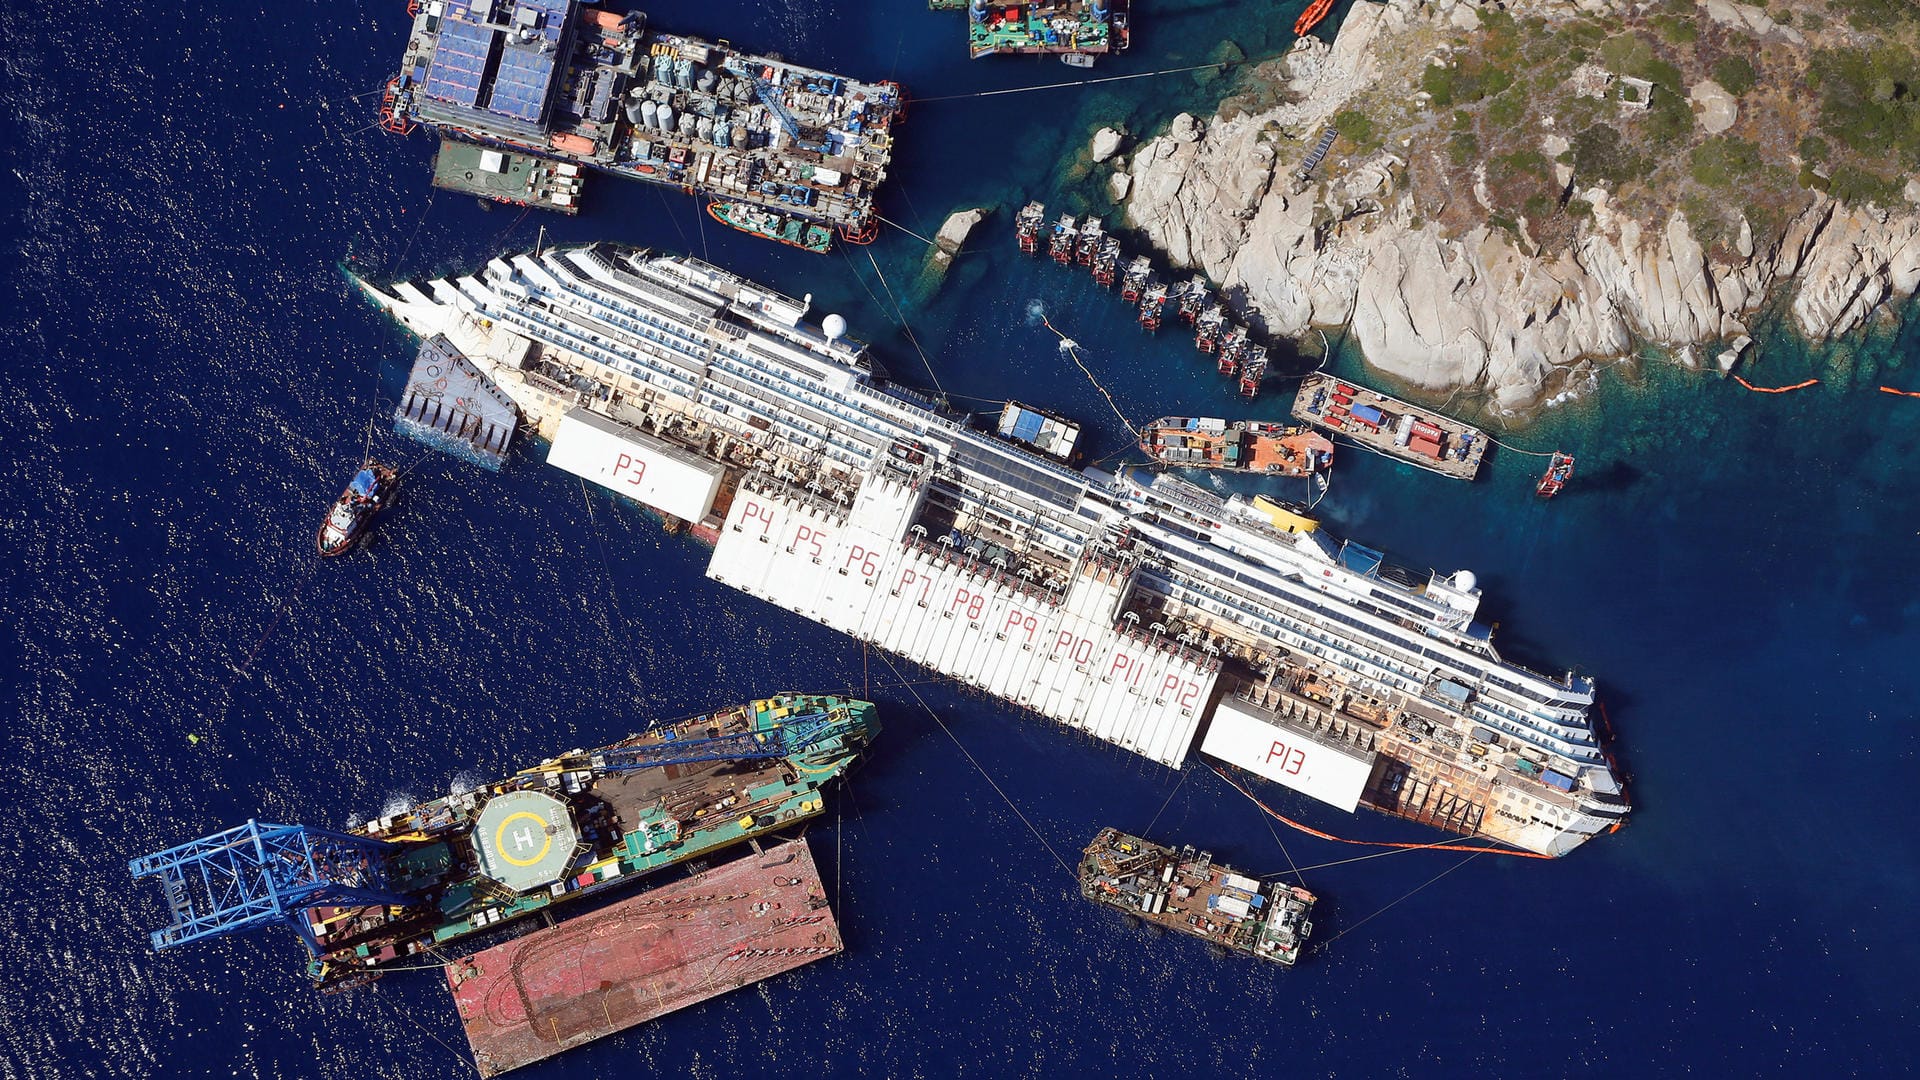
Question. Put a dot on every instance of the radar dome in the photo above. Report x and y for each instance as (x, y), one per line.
(1464, 580)
(834, 325)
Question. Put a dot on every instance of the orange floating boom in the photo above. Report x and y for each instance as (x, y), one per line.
(1902, 393)
(1312, 16)
(1310, 831)
(1778, 389)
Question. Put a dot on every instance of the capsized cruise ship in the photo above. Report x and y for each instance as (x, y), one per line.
(1141, 610)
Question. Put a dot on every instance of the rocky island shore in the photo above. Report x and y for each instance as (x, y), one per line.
(1521, 190)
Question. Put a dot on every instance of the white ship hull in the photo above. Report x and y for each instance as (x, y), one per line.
(1122, 608)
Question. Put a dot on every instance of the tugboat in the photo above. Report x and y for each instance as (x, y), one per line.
(1139, 272)
(350, 516)
(1091, 234)
(1559, 470)
(1066, 232)
(773, 225)
(1150, 305)
(1106, 263)
(1027, 227)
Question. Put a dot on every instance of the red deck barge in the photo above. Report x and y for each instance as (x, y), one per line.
(678, 945)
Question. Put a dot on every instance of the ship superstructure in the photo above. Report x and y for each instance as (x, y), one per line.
(576, 84)
(1132, 608)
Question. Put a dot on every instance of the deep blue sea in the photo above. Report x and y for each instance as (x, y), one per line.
(187, 379)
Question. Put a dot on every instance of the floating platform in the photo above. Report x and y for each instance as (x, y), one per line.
(1049, 433)
(1393, 427)
(450, 406)
(1187, 892)
(506, 177)
(675, 946)
(1255, 446)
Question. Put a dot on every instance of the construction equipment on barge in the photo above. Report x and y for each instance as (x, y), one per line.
(1077, 31)
(1392, 427)
(404, 885)
(1086, 242)
(1151, 306)
(1106, 262)
(1027, 226)
(1065, 238)
(1253, 446)
(568, 83)
(1187, 891)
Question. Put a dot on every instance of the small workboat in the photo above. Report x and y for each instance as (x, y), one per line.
(352, 514)
(1556, 476)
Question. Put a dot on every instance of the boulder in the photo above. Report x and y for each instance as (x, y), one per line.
(1106, 143)
(953, 233)
(1713, 106)
(1118, 185)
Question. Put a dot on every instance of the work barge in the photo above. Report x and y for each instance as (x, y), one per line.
(1187, 892)
(585, 87)
(1077, 31)
(1138, 609)
(761, 915)
(1387, 425)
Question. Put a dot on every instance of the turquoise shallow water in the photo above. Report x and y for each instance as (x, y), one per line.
(189, 379)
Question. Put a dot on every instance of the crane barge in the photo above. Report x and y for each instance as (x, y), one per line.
(381, 894)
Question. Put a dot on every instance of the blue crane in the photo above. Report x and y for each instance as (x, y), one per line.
(257, 874)
(770, 97)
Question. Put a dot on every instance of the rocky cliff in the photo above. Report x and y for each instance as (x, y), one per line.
(1476, 307)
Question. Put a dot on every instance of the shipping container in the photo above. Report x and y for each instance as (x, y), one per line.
(1425, 446)
(1554, 779)
(1367, 414)
(1426, 430)
(621, 459)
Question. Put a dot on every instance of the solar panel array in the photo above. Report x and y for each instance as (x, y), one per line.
(520, 87)
(458, 60)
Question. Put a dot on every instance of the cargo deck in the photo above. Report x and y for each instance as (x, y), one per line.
(735, 925)
(1393, 427)
(505, 177)
(1064, 27)
(1186, 891)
